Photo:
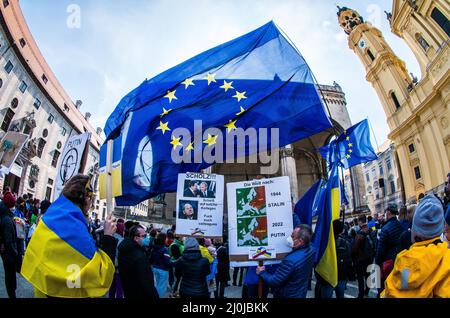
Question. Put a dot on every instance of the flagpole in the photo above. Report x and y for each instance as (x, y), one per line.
(375, 137)
(343, 190)
(109, 199)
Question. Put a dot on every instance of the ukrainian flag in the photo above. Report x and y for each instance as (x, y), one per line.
(324, 243)
(62, 259)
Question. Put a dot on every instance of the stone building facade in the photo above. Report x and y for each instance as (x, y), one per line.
(417, 110)
(32, 101)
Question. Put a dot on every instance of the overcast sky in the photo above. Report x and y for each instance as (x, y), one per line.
(113, 45)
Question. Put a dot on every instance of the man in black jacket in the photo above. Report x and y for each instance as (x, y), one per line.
(134, 266)
(8, 243)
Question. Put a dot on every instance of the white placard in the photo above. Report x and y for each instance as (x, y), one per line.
(70, 160)
(200, 204)
(259, 217)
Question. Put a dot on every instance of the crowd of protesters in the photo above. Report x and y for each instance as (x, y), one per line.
(409, 247)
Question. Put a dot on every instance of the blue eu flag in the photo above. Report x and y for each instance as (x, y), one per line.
(258, 80)
(351, 148)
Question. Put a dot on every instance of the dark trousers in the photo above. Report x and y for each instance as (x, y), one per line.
(220, 288)
(361, 276)
(177, 281)
(171, 277)
(236, 271)
(10, 267)
(252, 291)
(116, 290)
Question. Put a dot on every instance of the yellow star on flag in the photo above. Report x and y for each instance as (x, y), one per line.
(211, 140)
(230, 126)
(211, 78)
(190, 146)
(348, 156)
(240, 96)
(241, 112)
(350, 145)
(163, 126)
(350, 150)
(188, 82)
(175, 142)
(348, 138)
(226, 86)
(171, 95)
(165, 112)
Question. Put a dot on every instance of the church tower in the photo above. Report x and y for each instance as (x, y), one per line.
(416, 110)
(385, 71)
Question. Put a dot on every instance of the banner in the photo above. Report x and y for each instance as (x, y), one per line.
(200, 205)
(259, 220)
(70, 161)
(10, 146)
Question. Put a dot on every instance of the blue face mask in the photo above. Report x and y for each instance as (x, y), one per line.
(145, 242)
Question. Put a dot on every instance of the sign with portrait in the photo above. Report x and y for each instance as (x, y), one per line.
(259, 220)
(70, 161)
(200, 204)
(10, 146)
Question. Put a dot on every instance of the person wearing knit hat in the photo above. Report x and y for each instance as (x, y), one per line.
(194, 270)
(428, 221)
(8, 247)
(422, 271)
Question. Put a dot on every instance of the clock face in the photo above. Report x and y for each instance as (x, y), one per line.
(362, 43)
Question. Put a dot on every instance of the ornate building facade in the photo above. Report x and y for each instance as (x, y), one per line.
(32, 101)
(416, 110)
(383, 182)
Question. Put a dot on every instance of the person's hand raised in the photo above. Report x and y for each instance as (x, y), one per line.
(110, 225)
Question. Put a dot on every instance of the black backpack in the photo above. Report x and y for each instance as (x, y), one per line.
(344, 258)
(369, 246)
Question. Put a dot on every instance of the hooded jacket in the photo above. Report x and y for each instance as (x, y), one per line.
(423, 271)
(7, 231)
(194, 269)
(135, 271)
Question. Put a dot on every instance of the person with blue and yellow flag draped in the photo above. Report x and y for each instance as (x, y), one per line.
(62, 259)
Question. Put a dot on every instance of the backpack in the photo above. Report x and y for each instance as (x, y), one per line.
(369, 246)
(344, 258)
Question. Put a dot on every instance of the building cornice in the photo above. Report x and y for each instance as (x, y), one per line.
(31, 58)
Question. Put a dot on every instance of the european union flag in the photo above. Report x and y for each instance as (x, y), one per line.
(256, 81)
(351, 148)
(306, 207)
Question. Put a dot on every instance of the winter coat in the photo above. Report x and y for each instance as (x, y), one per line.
(223, 266)
(160, 258)
(205, 253)
(423, 271)
(8, 235)
(389, 241)
(194, 269)
(291, 277)
(135, 271)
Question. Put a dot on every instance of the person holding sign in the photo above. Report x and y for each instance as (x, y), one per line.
(291, 277)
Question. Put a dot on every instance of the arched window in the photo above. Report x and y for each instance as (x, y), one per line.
(41, 146)
(423, 43)
(7, 119)
(392, 184)
(395, 100)
(14, 103)
(376, 190)
(372, 57)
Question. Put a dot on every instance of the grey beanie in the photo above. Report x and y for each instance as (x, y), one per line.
(191, 244)
(428, 219)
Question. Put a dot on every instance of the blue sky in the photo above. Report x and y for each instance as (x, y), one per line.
(121, 43)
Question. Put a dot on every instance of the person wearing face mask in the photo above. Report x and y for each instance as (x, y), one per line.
(8, 243)
(135, 269)
(290, 280)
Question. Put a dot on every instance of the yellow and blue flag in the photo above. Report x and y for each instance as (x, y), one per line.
(323, 238)
(256, 81)
(351, 148)
(62, 260)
